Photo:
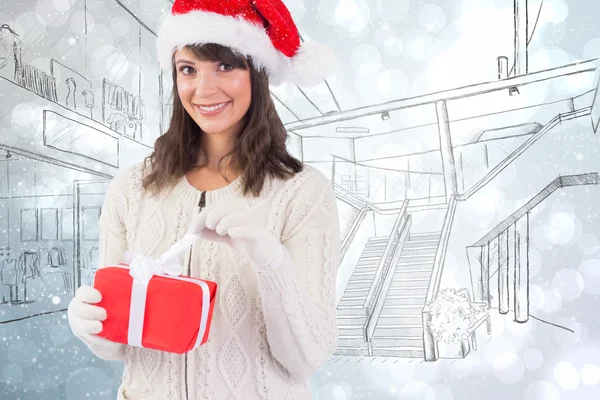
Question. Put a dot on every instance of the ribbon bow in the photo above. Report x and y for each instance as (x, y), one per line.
(142, 268)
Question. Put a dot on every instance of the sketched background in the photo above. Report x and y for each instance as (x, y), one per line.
(459, 136)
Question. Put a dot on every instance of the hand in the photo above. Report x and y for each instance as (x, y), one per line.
(85, 321)
(231, 223)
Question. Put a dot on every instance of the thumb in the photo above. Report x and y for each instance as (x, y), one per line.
(198, 223)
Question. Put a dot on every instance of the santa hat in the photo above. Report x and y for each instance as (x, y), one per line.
(261, 29)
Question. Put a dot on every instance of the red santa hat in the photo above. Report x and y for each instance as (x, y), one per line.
(261, 29)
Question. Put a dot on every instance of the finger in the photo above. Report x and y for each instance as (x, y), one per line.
(89, 312)
(244, 232)
(231, 220)
(215, 215)
(85, 326)
(96, 340)
(215, 237)
(198, 222)
(88, 294)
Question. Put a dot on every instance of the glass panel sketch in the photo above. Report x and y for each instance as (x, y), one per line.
(49, 223)
(461, 140)
(29, 224)
(66, 224)
(90, 216)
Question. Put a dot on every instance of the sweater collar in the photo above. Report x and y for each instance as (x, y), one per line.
(189, 194)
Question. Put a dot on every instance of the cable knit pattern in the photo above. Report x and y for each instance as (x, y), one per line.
(270, 331)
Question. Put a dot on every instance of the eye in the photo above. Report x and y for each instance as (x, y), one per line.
(225, 67)
(186, 69)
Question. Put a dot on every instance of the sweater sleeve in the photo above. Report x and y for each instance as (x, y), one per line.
(299, 296)
(112, 228)
(112, 246)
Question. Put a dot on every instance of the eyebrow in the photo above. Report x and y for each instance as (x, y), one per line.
(184, 61)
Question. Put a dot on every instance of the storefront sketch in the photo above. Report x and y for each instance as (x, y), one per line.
(66, 130)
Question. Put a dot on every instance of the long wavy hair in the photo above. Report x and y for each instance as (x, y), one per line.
(259, 150)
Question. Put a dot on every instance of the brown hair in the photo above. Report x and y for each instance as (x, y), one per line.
(258, 151)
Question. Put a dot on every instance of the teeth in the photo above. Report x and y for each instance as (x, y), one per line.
(212, 108)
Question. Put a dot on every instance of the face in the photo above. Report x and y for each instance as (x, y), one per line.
(216, 95)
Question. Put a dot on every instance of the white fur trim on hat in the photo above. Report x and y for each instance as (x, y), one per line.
(312, 63)
(176, 31)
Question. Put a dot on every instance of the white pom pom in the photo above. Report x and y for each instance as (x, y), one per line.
(311, 65)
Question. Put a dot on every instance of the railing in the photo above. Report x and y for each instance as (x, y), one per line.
(385, 261)
(353, 230)
(592, 178)
(511, 252)
(385, 184)
(429, 343)
(359, 202)
(404, 228)
(521, 149)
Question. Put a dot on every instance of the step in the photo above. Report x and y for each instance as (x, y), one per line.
(396, 319)
(361, 279)
(376, 241)
(399, 330)
(424, 236)
(359, 284)
(364, 268)
(363, 290)
(353, 296)
(417, 250)
(409, 259)
(372, 259)
(370, 251)
(368, 263)
(375, 248)
(414, 281)
(354, 312)
(402, 274)
(421, 243)
(377, 244)
(416, 291)
(351, 351)
(361, 319)
(408, 300)
(409, 309)
(421, 264)
(410, 283)
(367, 267)
(345, 330)
(370, 272)
(356, 341)
(400, 352)
(352, 301)
(397, 341)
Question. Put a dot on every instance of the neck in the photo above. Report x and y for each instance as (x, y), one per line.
(213, 149)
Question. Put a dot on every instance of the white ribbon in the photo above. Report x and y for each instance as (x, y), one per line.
(142, 269)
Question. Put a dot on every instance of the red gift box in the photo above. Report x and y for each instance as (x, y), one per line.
(172, 318)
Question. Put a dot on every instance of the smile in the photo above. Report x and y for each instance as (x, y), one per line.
(212, 108)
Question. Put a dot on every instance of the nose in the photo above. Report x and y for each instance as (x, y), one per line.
(205, 82)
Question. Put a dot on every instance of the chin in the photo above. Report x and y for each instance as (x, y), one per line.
(212, 129)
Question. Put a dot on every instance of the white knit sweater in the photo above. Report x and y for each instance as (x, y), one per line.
(269, 332)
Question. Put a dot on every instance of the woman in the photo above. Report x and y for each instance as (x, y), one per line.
(269, 223)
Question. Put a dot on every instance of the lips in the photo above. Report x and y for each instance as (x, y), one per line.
(212, 109)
